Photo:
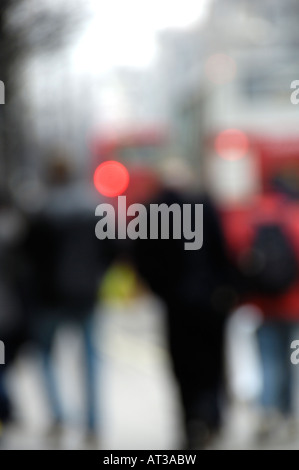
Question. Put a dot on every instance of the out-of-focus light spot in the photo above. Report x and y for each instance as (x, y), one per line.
(231, 144)
(220, 68)
(111, 178)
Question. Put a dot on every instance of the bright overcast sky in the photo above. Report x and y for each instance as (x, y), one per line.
(123, 32)
(117, 33)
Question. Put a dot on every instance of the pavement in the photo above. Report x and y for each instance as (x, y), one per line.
(138, 404)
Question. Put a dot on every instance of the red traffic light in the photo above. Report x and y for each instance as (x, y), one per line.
(111, 178)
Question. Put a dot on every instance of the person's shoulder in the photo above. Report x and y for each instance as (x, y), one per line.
(172, 196)
(200, 198)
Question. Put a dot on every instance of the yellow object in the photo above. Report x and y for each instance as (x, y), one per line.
(119, 284)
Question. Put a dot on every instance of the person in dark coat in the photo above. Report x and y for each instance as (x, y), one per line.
(13, 326)
(67, 265)
(198, 290)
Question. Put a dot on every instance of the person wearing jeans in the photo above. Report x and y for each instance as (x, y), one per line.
(67, 265)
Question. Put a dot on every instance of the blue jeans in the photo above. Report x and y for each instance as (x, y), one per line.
(274, 340)
(47, 329)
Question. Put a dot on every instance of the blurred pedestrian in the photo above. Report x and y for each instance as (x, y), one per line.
(198, 292)
(263, 238)
(68, 263)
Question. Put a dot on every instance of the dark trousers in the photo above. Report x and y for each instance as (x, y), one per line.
(196, 340)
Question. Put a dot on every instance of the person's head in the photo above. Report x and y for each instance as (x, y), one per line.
(286, 183)
(5, 199)
(177, 174)
(60, 168)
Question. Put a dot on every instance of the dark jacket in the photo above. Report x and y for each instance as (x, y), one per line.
(67, 260)
(202, 278)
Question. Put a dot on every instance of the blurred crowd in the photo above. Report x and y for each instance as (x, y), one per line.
(197, 112)
(52, 265)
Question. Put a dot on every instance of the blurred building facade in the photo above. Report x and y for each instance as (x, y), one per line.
(232, 71)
